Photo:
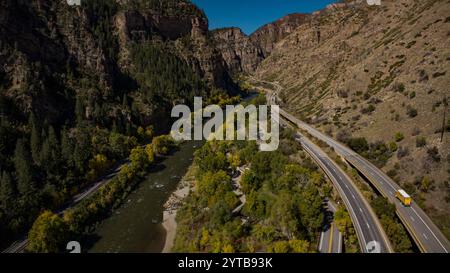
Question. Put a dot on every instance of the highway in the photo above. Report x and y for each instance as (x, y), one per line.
(425, 233)
(20, 245)
(331, 239)
(367, 226)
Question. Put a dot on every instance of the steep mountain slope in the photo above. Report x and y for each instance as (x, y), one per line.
(379, 72)
(244, 53)
(78, 85)
(268, 35)
(238, 50)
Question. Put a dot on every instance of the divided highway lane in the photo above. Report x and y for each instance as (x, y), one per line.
(425, 233)
(366, 224)
(331, 238)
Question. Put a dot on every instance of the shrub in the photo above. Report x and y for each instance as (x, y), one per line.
(416, 131)
(343, 135)
(421, 141)
(163, 144)
(393, 146)
(399, 136)
(369, 109)
(412, 112)
(402, 152)
(359, 145)
(392, 173)
(433, 154)
(399, 87)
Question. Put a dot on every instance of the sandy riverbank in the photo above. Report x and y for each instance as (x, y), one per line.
(171, 207)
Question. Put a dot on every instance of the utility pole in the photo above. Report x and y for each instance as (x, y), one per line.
(443, 120)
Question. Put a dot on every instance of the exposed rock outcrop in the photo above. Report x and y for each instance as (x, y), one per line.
(187, 33)
(267, 36)
(238, 50)
(244, 53)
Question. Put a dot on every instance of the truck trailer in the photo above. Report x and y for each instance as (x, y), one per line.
(403, 197)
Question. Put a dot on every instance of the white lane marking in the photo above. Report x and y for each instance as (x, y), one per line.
(368, 225)
(353, 196)
(425, 236)
(346, 186)
(340, 243)
(360, 210)
(412, 219)
(321, 241)
(429, 230)
(390, 192)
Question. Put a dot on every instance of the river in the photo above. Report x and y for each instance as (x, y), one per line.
(136, 227)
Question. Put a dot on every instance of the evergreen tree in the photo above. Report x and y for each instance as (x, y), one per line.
(67, 147)
(35, 140)
(7, 191)
(55, 152)
(23, 170)
(79, 110)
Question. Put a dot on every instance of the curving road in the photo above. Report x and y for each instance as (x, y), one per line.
(367, 226)
(425, 233)
(20, 245)
(331, 237)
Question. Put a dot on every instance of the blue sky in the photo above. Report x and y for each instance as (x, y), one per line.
(251, 14)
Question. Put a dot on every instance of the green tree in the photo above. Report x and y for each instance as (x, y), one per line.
(67, 147)
(7, 192)
(280, 247)
(98, 165)
(359, 145)
(79, 110)
(21, 161)
(51, 153)
(35, 140)
(139, 158)
(83, 149)
(311, 209)
(299, 246)
(162, 144)
(425, 184)
(150, 153)
(48, 234)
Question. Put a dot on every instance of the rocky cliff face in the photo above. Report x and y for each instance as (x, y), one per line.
(46, 48)
(244, 53)
(267, 36)
(238, 50)
(187, 34)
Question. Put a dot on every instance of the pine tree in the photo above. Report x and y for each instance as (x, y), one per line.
(67, 147)
(23, 170)
(125, 101)
(35, 140)
(79, 110)
(7, 191)
(54, 147)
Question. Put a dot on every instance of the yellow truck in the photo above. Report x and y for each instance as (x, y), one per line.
(404, 197)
